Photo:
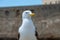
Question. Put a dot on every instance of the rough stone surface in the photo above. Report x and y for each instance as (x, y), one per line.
(47, 20)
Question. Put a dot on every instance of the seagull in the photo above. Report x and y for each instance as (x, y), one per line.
(27, 29)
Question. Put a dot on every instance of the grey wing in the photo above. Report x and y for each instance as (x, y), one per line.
(36, 33)
(18, 35)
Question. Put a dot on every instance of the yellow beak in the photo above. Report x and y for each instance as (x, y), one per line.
(33, 14)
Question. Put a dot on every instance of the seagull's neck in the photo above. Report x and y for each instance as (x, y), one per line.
(26, 19)
(27, 23)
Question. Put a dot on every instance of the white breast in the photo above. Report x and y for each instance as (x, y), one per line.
(27, 27)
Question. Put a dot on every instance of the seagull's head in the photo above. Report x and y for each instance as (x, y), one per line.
(27, 14)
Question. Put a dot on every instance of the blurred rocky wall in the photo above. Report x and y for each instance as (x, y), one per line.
(47, 20)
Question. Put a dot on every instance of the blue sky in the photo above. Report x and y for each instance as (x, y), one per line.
(6, 3)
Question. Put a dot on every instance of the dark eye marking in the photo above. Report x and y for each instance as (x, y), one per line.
(27, 12)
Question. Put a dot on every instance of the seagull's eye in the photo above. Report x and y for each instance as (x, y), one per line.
(27, 12)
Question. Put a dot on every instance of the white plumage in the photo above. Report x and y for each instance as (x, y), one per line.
(27, 29)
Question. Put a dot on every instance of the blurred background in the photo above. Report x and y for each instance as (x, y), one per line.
(47, 19)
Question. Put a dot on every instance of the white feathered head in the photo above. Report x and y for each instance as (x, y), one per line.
(27, 14)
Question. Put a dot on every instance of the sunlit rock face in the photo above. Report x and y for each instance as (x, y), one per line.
(45, 2)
